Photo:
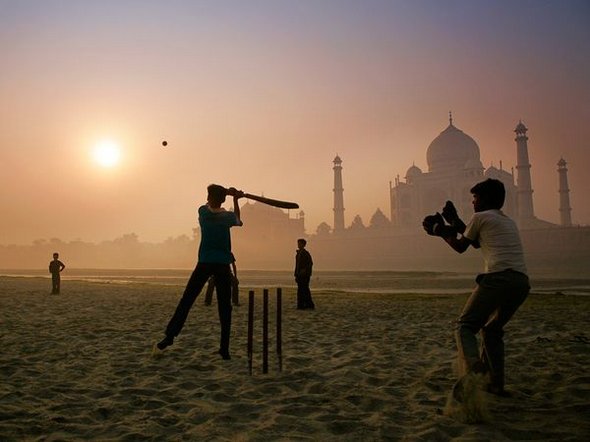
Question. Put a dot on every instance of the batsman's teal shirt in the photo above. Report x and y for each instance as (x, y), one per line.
(215, 247)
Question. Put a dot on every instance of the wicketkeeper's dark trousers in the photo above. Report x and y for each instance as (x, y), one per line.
(493, 302)
(195, 284)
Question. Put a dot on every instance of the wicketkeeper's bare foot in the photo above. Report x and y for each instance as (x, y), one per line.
(459, 389)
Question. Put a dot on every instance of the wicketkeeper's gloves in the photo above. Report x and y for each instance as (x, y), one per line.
(449, 213)
(435, 225)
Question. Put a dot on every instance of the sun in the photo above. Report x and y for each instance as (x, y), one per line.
(106, 154)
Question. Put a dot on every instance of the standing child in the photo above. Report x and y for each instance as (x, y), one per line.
(303, 269)
(500, 290)
(55, 268)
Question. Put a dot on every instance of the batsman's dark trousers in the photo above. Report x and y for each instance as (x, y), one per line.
(494, 301)
(235, 290)
(195, 284)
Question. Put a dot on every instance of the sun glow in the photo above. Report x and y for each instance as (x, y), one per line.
(106, 154)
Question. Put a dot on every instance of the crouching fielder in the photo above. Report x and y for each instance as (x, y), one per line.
(500, 290)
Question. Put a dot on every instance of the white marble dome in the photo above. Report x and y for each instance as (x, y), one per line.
(452, 149)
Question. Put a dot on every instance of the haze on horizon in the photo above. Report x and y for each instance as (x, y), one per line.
(262, 95)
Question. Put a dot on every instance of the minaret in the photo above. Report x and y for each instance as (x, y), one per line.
(523, 177)
(338, 196)
(565, 211)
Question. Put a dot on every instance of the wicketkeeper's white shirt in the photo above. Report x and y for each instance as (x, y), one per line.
(499, 239)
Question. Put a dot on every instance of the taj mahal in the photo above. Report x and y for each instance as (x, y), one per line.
(454, 166)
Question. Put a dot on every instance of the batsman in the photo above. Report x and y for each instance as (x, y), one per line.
(500, 290)
(214, 259)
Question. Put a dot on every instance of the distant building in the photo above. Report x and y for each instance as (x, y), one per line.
(565, 210)
(270, 223)
(338, 196)
(454, 167)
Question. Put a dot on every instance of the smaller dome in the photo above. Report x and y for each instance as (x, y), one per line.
(561, 162)
(413, 171)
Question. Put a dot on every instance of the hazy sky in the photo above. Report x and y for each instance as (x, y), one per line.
(262, 95)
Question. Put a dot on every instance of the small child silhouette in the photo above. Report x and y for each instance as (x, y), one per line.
(55, 268)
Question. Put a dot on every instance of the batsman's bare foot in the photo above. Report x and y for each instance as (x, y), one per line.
(166, 342)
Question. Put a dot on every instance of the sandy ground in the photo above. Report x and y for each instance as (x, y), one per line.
(360, 367)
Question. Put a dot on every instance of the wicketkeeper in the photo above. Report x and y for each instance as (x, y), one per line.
(500, 290)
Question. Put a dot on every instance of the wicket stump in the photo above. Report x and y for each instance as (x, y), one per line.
(279, 325)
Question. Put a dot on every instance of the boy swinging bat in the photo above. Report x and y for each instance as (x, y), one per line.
(215, 258)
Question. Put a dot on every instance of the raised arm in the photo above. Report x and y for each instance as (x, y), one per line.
(449, 213)
(236, 194)
(237, 208)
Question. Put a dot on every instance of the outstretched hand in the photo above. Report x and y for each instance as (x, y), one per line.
(435, 226)
(449, 213)
(431, 223)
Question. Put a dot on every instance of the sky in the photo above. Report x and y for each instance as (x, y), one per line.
(262, 95)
